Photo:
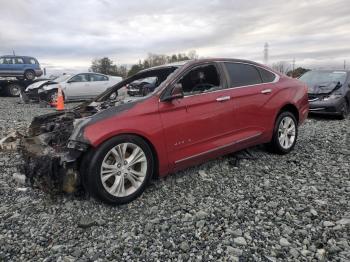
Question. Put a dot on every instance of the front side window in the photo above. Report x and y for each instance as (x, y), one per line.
(80, 78)
(242, 74)
(201, 79)
(6, 61)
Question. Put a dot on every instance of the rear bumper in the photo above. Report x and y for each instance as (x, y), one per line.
(38, 72)
(332, 107)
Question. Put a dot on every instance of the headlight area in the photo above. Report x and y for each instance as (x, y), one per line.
(77, 145)
(40, 90)
(332, 97)
(49, 163)
(50, 169)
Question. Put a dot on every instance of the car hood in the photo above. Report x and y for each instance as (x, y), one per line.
(323, 88)
(45, 84)
(36, 84)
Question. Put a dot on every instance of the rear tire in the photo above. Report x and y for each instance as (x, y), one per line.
(13, 90)
(29, 74)
(120, 169)
(285, 134)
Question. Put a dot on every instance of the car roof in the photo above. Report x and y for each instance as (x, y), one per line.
(23, 56)
(201, 60)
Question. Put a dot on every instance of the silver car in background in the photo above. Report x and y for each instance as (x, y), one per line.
(81, 86)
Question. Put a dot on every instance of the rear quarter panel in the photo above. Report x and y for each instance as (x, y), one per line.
(289, 92)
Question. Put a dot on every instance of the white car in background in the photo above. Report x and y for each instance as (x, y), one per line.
(80, 86)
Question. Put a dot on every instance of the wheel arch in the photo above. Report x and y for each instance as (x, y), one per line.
(291, 108)
(29, 69)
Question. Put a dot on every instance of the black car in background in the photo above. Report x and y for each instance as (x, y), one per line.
(329, 91)
(142, 87)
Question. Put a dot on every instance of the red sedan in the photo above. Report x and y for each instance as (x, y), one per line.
(199, 110)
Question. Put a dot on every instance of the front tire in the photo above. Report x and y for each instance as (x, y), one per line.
(120, 169)
(285, 134)
(13, 90)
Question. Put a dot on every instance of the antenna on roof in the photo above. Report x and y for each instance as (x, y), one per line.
(13, 51)
(266, 53)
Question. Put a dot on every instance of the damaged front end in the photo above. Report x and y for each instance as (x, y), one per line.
(51, 161)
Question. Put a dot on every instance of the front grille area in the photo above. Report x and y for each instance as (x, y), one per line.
(313, 98)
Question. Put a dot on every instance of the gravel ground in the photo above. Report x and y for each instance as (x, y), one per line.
(243, 207)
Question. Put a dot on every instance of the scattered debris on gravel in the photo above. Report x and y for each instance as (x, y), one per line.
(250, 206)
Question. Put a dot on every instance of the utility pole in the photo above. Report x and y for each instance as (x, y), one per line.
(266, 53)
(13, 52)
(344, 64)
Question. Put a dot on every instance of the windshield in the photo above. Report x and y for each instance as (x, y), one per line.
(139, 85)
(62, 78)
(321, 78)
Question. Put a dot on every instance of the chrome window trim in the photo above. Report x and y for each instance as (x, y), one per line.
(218, 148)
(162, 90)
(277, 78)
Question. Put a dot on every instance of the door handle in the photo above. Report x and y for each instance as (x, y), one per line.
(266, 91)
(223, 98)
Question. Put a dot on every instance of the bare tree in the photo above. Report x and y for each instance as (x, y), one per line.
(281, 66)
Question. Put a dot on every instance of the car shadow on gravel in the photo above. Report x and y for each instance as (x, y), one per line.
(323, 117)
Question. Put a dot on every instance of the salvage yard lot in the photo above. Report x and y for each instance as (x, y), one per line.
(262, 207)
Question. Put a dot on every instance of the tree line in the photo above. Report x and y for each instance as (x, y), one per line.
(106, 66)
(285, 68)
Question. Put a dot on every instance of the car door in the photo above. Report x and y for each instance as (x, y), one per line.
(197, 125)
(19, 65)
(98, 84)
(77, 87)
(251, 89)
(3, 66)
(6, 66)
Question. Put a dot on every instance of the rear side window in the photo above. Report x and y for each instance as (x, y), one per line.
(19, 61)
(32, 61)
(266, 76)
(242, 74)
(95, 77)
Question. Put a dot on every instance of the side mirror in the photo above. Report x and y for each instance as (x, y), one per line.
(176, 92)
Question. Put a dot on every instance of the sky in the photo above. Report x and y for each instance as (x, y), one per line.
(67, 35)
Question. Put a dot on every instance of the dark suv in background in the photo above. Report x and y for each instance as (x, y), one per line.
(19, 66)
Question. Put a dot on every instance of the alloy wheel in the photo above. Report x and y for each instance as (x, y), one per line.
(286, 132)
(123, 169)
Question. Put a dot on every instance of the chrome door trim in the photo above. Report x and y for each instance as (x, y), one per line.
(218, 148)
